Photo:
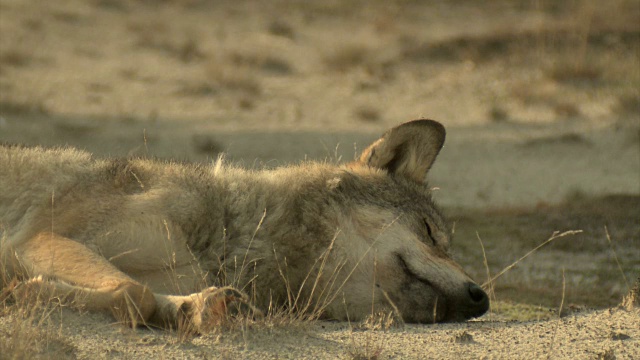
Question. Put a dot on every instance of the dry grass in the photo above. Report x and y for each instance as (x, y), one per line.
(632, 299)
(554, 236)
(15, 107)
(236, 80)
(629, 105)
(159, 36)
(303, 304)
(29, 339)
(16, 58)
(281, 28)
(263, 61)
(509, 233)
(377, 63)
(498, 113)
(32, 333)
(368, 114)
(488, 288)
(348, 57)
(198, 89)
(238, 73)
(555, 330)
(372, 346)
(589, 51)
(489, 285)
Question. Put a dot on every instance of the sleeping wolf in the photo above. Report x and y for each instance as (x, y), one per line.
(146, 240)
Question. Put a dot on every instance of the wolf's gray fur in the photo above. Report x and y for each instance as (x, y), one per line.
(148, 236)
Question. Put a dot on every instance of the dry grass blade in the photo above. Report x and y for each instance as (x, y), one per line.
(563, 293)
(555, 330)
(615, 256)
(244, 260)
(324, 256)
(490, 291)
(362, 257)
(332, 287)
(632, 299)
(555, 235)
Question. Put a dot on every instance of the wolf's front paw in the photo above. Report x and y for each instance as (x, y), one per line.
(212, 307)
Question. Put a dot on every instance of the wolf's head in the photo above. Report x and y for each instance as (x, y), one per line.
(393, 241)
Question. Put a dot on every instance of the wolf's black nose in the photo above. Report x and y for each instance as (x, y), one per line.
(479, 298)
(476, 292)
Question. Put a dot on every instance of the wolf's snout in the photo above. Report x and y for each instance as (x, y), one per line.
(479, 300)
(476, 292)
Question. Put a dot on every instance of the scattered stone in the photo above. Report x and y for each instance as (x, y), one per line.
(608, 354)
(463, 338)
(619, 336)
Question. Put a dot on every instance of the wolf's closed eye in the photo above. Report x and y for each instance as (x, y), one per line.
(429, 232)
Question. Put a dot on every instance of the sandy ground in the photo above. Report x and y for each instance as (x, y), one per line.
(593, 335)
(541, 104)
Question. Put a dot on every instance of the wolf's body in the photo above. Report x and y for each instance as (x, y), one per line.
(143, 238)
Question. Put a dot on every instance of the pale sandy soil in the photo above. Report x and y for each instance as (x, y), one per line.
(541, 103)
(592, 335)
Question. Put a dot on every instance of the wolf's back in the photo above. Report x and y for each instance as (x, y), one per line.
(31, 176)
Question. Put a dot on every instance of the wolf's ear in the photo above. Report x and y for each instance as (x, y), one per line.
(408, 149)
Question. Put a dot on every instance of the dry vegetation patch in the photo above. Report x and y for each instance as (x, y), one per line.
(590, 260)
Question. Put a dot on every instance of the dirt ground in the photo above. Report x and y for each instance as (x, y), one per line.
(541, 101)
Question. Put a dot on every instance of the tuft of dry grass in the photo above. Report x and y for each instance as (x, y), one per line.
(281, 28)
(18, 107)
(566, 71)
(198, 89)
(377, 64)
(31, 334)
(518, 311)
(347, 57)
(372, 346)
(264, 62)
(510, 232)
(366, 352)
(632, 299)
(566, 110)
(498, 114)
(16, 58)
(463, 337)
(28, 341)
(555, 330)
(554, 236)
(608, 354)
(629, 104)
(490, 287)
(242, 73)
(158, 36)
(368, 114)
(236, 80)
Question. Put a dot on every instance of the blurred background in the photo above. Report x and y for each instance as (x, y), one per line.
(541, 100)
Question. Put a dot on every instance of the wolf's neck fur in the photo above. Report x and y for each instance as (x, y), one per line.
(242, 215)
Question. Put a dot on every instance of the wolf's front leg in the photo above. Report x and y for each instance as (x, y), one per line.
(53, 266)
(200, 312)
